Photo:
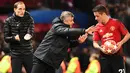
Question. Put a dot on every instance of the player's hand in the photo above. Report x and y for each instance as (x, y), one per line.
(119, 44)
(27, 37)
(82, 38)
(90, 30)
(17, 37)
(103, 50)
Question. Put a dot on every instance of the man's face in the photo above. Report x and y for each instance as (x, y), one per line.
(69, 20)
(20, 10)
(99, 17)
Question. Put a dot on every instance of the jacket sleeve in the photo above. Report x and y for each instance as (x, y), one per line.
(7, 32)
(66, 31)
(31, 27)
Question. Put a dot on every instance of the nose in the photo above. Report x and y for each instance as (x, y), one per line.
(23, 11)
(95, 18)
(73, 22)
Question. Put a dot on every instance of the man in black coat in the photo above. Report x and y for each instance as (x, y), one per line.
(18, 31)
(53, 48)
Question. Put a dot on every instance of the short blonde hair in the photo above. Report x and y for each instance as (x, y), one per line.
(17, 3)
(65, 14)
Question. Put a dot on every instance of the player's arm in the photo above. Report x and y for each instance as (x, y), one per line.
(96, 39)
(124, 32)
(96, 45)
(126, 37)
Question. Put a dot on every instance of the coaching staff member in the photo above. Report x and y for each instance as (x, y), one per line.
(53, 48)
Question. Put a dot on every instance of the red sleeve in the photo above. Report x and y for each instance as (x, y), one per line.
(96, 36)
(122, 29)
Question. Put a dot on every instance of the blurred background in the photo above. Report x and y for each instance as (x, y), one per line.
(44, 11)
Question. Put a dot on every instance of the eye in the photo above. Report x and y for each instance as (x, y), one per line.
(97, 16)
(23, 8)
(20, 8)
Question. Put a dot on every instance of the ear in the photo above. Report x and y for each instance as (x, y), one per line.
(64, 21)
(103, 13)
(14, 9)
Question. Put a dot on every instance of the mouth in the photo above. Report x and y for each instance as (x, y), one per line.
(21, 14)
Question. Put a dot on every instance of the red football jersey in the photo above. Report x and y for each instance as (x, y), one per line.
(112, 30)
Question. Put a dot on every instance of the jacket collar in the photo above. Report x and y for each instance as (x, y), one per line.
(25, 17)
(58, 20)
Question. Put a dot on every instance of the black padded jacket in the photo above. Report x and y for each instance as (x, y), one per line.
(53, 48)
(19, 25)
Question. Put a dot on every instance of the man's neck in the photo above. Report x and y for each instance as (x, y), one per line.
(106, 19)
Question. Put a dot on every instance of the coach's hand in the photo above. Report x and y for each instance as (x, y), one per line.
(17, 37)
(82, 38)
(27, 37)
(90, 30)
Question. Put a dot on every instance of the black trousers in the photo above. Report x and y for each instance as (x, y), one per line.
(112, 64)
(41, 67)
(22, 60)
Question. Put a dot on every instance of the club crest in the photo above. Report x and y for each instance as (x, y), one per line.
(112, 28)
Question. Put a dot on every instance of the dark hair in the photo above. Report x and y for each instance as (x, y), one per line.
(101, 9)
(17, 3)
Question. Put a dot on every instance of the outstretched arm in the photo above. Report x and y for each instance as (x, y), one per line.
(61, 30)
